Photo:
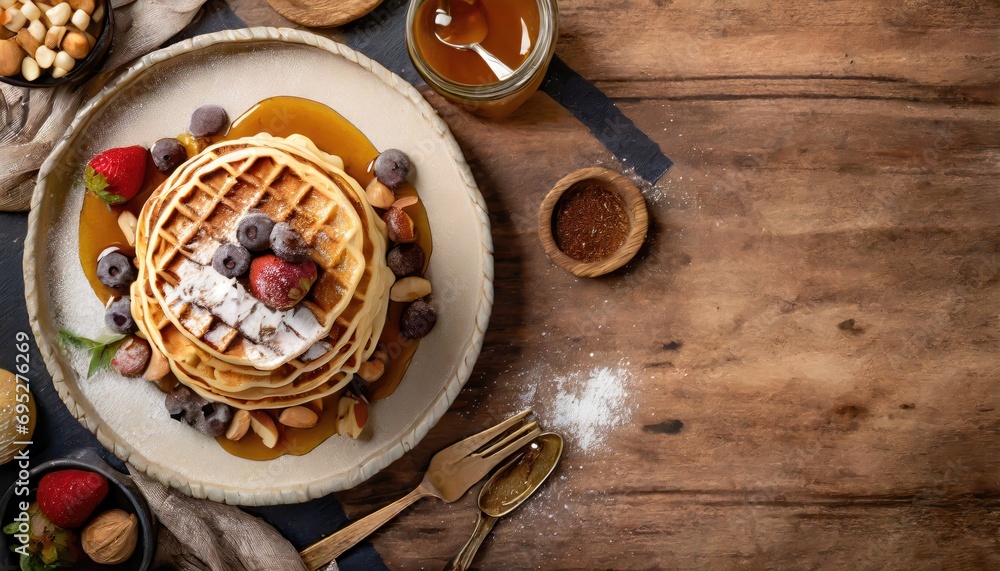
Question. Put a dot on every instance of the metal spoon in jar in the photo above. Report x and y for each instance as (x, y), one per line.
(466, 32)
(508, 488)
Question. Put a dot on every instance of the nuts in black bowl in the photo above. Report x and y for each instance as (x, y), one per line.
(46, 45)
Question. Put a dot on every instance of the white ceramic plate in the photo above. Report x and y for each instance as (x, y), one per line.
(237, 69)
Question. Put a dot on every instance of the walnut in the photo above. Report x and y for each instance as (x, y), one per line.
(110, 538)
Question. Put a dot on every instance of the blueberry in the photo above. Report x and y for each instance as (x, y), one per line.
(208, 120)
(168, 154)
(406, 260)
(207, 417)
(119, 315)
(231, 260)
(254, 231)
(418, 319)
(288, 245)
(391, 168)
(116, 271)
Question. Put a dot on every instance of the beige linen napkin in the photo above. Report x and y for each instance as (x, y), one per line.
(140, 27)
(199, 535)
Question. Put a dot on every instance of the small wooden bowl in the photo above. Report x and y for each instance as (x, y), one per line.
(635, 207)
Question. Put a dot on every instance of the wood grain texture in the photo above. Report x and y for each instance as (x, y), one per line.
(323, 13)
(812, 327)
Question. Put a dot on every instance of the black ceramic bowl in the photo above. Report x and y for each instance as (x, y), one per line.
(122, 494)
(84, 68)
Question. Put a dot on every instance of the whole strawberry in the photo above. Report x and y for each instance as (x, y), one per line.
(116, 175)
(281, 284)
(69, 497)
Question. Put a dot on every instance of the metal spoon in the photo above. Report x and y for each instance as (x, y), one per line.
(466, 33)
(508, 488)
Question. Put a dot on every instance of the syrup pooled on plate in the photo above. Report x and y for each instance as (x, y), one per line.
(333, 134)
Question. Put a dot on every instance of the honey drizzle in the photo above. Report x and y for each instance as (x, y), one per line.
(333, 134)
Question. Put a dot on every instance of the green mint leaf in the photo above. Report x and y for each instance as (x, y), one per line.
(95, 362)
(102, 349)
(108, 354)
(75, 340)
(109, 338)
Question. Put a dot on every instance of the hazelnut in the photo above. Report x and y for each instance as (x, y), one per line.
(410, 289)
(379, 195)
(85, 5)
(75, 44)
(239, 426)
(11, 56)
(132, 357)
(298, 417)
(371, 370)
(400, 225)
(110, 538)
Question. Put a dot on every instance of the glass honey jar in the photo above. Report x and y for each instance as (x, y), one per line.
(521, 33)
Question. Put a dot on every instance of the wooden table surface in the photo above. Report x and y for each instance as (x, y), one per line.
(810, 337)
(807, 347)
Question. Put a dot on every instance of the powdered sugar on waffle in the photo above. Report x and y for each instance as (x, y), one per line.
(272, 336)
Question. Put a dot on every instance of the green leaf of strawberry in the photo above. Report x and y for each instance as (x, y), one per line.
(116, 175)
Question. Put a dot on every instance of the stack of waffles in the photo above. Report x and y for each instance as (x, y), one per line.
(219, 339)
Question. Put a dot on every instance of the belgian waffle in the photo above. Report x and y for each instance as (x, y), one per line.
(197, 208)
(202, 212)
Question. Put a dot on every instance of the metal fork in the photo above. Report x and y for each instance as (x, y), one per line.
(452, 472)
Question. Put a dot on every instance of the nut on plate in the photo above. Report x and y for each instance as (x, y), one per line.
(239, 426)
(263, 425)
(410, 289)
(371, 370)
(352, 415)
(400, 226)
(405, 201)
(381, 353)
(132, 357)
(110, 538)
(298, 417)
(128, 222)
(158, 366)
(379, 195)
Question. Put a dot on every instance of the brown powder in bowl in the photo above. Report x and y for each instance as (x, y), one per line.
(589, 222)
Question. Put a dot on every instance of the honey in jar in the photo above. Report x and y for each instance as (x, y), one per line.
(512, 31)
(520, 33)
